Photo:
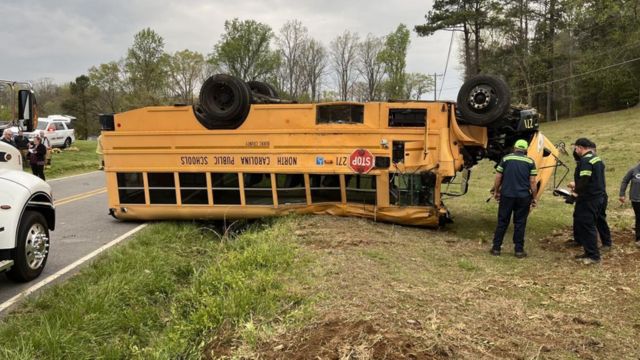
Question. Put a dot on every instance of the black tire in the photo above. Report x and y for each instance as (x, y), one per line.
(263, 88)
(225, 102)
(32, 248)
(67, 143)
(483, 99)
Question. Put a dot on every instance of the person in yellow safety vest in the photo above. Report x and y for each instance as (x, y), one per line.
(99, 152)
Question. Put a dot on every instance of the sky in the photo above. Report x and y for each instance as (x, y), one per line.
(62, 39)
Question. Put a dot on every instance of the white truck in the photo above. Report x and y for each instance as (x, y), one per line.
(57, 128)
(27, 212)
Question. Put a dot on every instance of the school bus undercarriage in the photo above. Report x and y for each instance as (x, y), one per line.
(235, 157)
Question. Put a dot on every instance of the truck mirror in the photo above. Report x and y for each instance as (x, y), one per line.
(27, 110)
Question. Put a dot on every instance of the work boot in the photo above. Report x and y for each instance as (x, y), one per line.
(605, 248)
(590, 261)
(581, 256)
(521, 254)
(495, 252)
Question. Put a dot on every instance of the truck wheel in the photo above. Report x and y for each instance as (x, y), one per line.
(67, 143)
(32, 248)
(263, 88)
(225, 102)
(483, 99)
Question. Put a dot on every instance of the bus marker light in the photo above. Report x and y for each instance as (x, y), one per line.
(5, 207)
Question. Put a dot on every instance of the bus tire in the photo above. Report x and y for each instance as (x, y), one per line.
(32, 247)
(225, 102)
(483, 99)
(263, 88)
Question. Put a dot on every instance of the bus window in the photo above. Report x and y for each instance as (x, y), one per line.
(412, 189)
(162, 188)
(226, 189)
(361, 189)
(193, 189)
(325, 188)
(341, 114)
(407, 117)
(290, 189)
(257, 189)
(130, 188)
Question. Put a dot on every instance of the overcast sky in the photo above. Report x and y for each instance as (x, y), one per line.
(62, 39)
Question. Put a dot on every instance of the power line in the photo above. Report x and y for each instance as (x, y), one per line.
(582, 74)
(446, 66)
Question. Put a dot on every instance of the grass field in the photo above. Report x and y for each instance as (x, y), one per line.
(346, 288)
(80, 158)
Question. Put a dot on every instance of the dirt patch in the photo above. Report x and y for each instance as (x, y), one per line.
(391, 292)
(623, 254)
(336, 338)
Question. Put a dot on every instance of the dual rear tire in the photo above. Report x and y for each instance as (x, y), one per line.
(225, 101)
(483, 100)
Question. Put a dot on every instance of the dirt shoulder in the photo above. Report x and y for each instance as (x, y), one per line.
(390, 292)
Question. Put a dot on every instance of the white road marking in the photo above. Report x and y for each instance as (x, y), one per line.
(7, 304)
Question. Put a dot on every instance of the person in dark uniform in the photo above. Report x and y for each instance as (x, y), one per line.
(589, 189)
(515, 189)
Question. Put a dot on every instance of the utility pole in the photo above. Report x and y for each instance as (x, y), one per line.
(435, 85)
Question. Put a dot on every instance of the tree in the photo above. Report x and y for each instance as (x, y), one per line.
(146, 66)
(470, 17)
(49, 95)
(185, 71)
(370, 66)
(314, 63)
(244, 50)
(109, 79)
(81, 104)
(291, 43)
(417, 84)
(343, 52)
(394, 57)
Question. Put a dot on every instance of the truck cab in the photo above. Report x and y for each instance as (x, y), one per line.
(27, 213)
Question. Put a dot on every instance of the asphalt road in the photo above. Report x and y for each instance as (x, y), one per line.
(82, 226)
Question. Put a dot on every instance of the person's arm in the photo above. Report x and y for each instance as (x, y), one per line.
(625, 182)
(496, 186)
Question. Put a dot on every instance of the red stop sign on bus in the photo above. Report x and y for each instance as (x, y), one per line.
(361, 161)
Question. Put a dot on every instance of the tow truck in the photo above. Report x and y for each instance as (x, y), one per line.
(27, 212)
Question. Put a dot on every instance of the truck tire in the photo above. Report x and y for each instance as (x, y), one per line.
(67, 143)
(225, 102)
(263, 88)
(32, 247)
(483, 99)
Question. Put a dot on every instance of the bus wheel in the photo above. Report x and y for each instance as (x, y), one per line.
(32, 247)
(263, 88)
(225, 102)
(483, 99)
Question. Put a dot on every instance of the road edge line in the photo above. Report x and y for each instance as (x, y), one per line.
(7, 304)
(76, 175)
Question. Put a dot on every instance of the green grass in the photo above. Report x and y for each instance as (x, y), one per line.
(71, 162)
(159, 296)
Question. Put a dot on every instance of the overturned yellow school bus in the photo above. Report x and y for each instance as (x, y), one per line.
(243, 153)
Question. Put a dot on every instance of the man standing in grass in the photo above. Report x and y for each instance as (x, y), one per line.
(515, 189)
(590, 189)
(633, 177)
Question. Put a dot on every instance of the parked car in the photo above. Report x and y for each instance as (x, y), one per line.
(27, 214)
(59, 131)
